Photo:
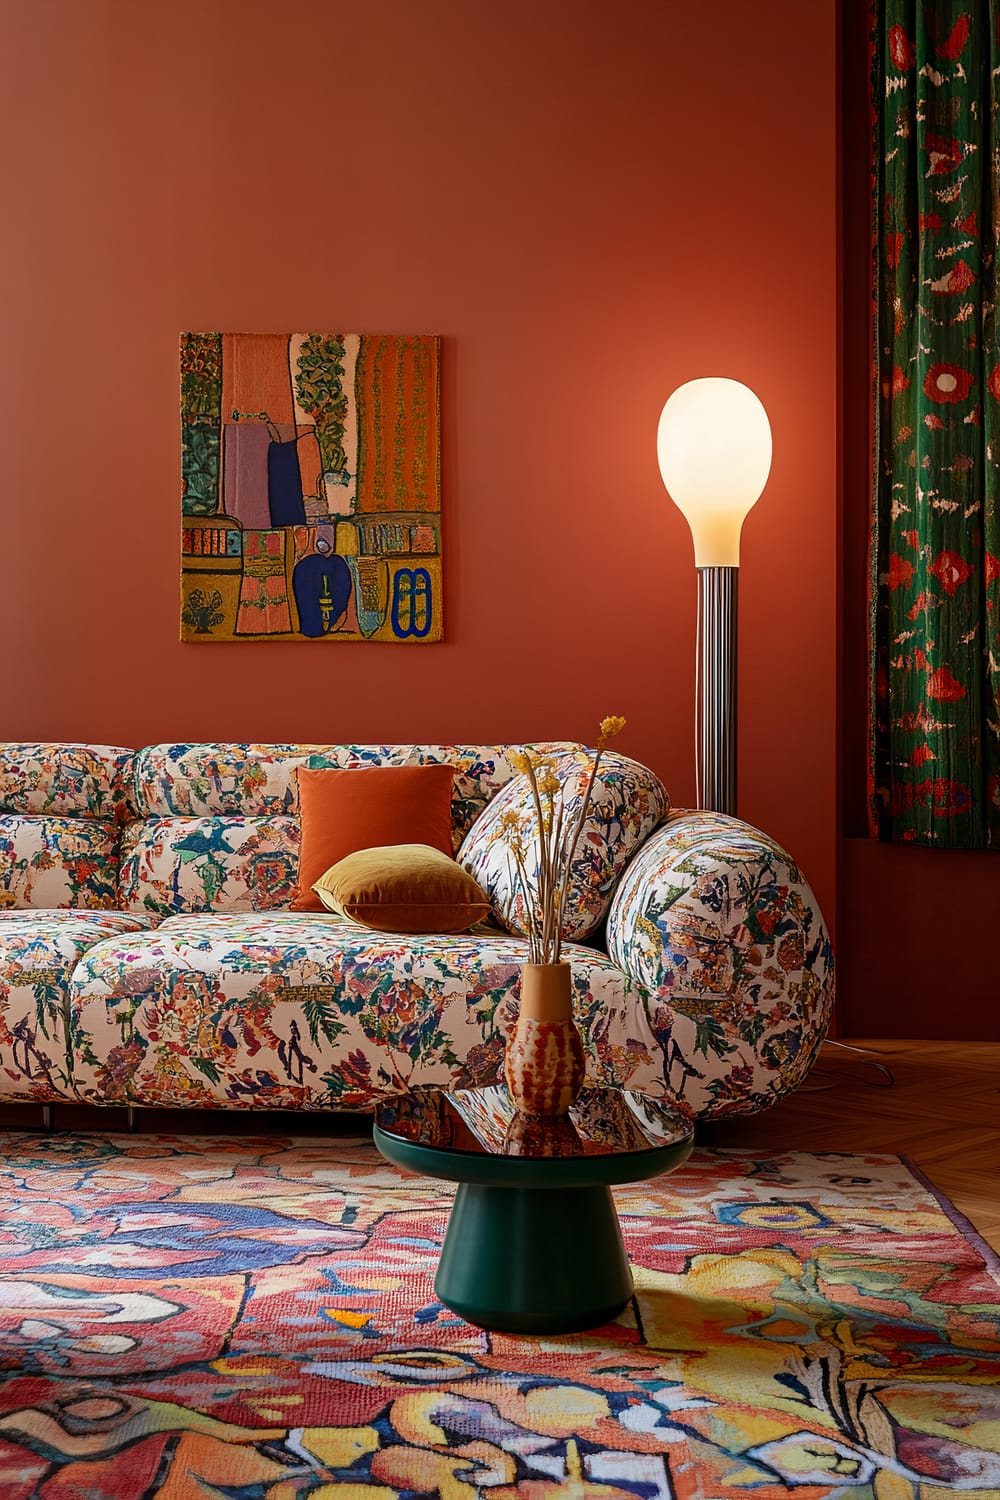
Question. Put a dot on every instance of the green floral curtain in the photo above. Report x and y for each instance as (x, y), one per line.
(935, 627)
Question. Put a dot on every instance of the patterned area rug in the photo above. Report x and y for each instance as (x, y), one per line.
(188, 1318)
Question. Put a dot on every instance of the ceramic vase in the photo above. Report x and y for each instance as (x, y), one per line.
(544, 1065)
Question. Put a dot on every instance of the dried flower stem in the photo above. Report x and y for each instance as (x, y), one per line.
(567, 860)
(557, 839)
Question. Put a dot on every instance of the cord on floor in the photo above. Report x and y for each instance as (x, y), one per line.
(868, 1060)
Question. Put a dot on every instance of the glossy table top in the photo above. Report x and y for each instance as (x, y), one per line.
(609, 1135)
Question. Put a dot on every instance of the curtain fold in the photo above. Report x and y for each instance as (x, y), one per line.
(935, 550)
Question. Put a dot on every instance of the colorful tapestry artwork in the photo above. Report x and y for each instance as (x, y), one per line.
(255, 1319)
(311, 487)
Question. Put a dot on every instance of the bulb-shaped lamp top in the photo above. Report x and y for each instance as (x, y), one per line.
(714, 447)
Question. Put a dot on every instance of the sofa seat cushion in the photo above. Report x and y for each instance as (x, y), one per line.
(38, 952)
(295, 1010)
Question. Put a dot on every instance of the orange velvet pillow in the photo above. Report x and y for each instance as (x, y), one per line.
(346, 810)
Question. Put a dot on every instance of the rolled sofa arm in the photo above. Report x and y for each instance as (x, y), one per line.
(718, 927)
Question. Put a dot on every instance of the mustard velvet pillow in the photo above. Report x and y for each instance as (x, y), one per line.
(403, 888)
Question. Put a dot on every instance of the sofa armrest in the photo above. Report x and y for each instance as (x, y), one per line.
(715, 922)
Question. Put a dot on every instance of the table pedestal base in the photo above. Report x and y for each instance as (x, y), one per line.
(534, 1260)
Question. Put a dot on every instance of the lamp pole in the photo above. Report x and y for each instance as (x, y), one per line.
(717, 615)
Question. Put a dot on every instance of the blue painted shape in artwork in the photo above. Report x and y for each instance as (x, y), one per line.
(322, 587)
(411, 596)
(284, 485)
(371, 615)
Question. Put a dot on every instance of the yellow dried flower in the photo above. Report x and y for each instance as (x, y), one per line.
(610, 726)
(521, 761)
(549, 782)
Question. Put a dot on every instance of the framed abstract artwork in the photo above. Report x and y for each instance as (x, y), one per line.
(311, 493)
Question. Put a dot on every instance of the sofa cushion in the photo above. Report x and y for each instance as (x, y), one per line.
(627, 803)
(253, 781)
(38, 953)
(60, 809)
(290, 1010)
(233, 863)
(259, 780)
(403, 888)
(72, 781)
(58, 862)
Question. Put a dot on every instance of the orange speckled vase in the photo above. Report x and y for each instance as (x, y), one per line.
(544, 1064)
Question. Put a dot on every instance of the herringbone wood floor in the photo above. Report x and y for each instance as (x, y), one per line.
(943, 1111)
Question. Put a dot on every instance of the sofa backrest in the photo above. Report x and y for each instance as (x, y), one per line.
(215, 827)
(61, 812)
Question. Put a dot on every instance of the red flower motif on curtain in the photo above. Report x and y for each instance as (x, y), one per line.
(945, 153)
(900, 572)
(901, 49)
(958, 279)
(950, 570)
(953, 48)
(944, 687)
(938, 796)
(947, 383)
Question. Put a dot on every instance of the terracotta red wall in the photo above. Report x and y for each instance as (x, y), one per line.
(591, 202)
(918, 927)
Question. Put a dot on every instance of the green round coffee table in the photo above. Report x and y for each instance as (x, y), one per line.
(533, 1242)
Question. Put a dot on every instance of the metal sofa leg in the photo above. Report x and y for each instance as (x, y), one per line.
(132, 1119)
(47, 1117)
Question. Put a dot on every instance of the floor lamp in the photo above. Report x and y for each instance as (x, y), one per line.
(714, 447)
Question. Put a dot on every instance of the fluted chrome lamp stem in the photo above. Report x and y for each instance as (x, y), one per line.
(717, 600)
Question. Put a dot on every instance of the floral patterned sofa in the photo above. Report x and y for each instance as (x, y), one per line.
(147, 955)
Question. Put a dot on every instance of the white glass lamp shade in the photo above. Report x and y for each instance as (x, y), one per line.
(714, 447)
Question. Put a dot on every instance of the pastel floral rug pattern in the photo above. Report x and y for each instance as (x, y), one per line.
(223, 1319)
